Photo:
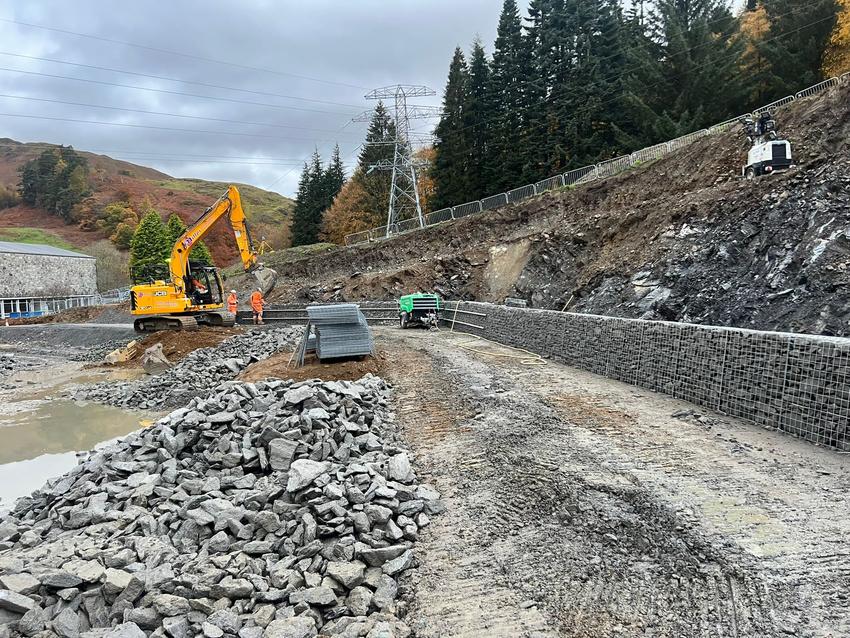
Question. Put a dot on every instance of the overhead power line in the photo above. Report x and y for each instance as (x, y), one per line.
(191, 117)
(169, 92)
(181, 54)
(159, 128)
(168, 79)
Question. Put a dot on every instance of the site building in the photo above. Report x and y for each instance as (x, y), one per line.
(36, 279)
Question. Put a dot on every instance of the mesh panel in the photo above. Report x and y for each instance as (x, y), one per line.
(466, 209)
(523, 192)
(550, 184)
(494, 201)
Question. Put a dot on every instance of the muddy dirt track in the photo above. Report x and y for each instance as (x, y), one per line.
(582, 507)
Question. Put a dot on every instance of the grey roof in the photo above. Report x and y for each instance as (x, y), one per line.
(38, 249)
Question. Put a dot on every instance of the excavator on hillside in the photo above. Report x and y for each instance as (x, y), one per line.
(184, 294)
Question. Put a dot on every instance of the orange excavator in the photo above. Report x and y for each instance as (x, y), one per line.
(183, 294)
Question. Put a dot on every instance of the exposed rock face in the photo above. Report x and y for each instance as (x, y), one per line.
(274, 509)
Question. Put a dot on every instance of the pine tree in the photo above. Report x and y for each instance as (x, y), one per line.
(450, 170)
(316, 190)
(150, 245)
(795, 46)
(701, 60)
(510, 70)
(56, 181)
(334, 178)
(378, 148)
(174, 228)
(478, 113)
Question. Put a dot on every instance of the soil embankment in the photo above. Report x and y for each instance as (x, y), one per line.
(684, 238)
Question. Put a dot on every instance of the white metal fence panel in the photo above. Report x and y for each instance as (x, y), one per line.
(494, 201)
(377, 233)
(817, 88)
(549, 184)
(408, 224)
(767, 108)
(357, 238)
(725, 126)
(581, 175)
(613, 166)
(649, 154)
(523, 192)
(439, 216)
(685, 140)
(466, 209)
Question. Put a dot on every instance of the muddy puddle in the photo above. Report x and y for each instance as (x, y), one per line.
(41, 431)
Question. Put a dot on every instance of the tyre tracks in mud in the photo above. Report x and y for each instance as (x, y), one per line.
(578, 507)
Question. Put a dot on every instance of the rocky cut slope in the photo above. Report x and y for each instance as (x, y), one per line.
(684, 238)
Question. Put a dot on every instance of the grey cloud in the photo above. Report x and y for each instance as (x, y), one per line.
(357, 44)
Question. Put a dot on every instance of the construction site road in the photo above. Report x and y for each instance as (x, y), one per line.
(578, 506)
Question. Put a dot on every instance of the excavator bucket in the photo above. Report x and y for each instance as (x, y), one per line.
(266, 279)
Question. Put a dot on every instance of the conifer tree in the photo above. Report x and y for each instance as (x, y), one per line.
(510, 71)
(450, 169)
(150, 245)
(377, 148)
(306, 216)
(334, 178)
(701, 61)
(478, 113)
(796, 43)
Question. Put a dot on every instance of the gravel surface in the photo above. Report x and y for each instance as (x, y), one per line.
(276, 510)
(581, 507)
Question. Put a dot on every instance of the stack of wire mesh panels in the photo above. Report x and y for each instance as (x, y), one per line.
(341, 331)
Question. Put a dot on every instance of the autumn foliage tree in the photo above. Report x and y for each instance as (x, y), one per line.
(837, 57)
(349, 213)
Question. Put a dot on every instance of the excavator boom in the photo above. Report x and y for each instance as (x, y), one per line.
(229, 203)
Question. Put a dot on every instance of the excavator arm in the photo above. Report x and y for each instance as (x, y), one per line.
(228, 204)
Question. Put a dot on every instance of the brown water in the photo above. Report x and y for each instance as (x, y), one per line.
(40, 435)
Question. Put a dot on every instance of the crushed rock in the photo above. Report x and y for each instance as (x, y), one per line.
(196, 374)
(264, 510)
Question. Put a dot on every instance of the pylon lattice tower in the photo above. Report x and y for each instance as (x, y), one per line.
(404, 202)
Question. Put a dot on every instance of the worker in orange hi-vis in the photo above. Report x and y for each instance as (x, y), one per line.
(257, 303)
(232, 302)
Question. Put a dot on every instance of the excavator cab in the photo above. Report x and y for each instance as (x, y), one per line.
(203, 285)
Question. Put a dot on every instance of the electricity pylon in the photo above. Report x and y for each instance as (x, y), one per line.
(404, 191)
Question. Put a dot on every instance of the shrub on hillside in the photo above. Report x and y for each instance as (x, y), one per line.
(111, 265)
(8, 198)
(123, 236)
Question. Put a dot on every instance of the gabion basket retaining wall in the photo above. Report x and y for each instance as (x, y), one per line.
(792, 382)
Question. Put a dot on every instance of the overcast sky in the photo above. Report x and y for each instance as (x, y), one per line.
(326, 54)
(291, 74)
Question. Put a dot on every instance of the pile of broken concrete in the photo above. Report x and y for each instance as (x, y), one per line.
(196, 374)
(266, 510)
